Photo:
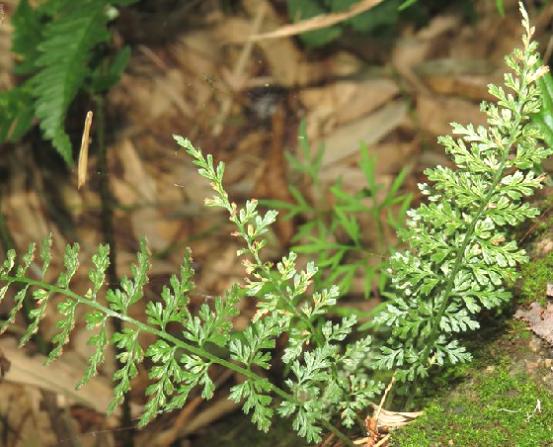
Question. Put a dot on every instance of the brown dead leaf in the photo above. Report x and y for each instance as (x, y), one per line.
(238, 73)
(435, 113)
(339, 103)
(223, 269)
(344, 141)
(26, 220)
(60, 377)
(539, 319)
(4, 365)
(23, 422)
(465, 78)
(395, 419)
(288, 66)
(63, 425)
(137, 186)
(411, 51)
(272, 184)
(213, 412)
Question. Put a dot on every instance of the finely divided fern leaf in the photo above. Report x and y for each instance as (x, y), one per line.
(459, 258)
(458, 261)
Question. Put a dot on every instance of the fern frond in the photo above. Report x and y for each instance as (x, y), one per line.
(65, 53)
(99, 341)
(459, 257)
(55, 42)
(130, 355)
(459, 261)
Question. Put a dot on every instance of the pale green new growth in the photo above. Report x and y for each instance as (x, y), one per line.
(458, 261)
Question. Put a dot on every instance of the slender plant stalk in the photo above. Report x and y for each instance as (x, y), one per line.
(106, 200)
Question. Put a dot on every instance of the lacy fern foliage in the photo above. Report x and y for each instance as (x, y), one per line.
(459, 260)
(324, 378)
(461, 257)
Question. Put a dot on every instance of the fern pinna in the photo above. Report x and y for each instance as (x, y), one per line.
(460, 256)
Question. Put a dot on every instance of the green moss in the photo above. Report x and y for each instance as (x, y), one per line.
(518, 331)
(496, 408)
(535, 276)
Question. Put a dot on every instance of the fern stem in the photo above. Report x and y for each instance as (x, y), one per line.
(106, 199)
(167, 337)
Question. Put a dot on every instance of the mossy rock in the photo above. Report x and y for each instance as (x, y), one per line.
(535, 277)
(506, 399)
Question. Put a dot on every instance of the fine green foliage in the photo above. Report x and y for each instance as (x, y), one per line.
(321, 382)
(55, 44)
(460, 257)
(544, 118)
(325, 377)
(332, 227)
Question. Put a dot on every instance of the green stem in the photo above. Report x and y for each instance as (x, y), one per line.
(167, 337)
(106, 199)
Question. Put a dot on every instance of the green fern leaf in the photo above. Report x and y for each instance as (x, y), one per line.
(65, 53)
(99, 341)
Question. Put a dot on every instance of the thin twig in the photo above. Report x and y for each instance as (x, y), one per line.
(383, 440)
(317, 22)
(83, 153)
(239, 69)
(383, 399)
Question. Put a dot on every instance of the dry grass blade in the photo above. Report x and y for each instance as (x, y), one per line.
(83, 153)
(372, 422)
(317, 22)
